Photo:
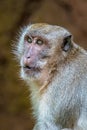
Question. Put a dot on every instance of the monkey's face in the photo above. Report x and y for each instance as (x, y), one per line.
(41, 45)
(35, 56)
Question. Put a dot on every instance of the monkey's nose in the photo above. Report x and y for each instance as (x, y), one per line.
(28, 62)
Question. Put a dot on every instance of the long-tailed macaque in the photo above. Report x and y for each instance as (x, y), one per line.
(55, 68)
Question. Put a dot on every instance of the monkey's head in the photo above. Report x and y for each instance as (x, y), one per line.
(41, 47)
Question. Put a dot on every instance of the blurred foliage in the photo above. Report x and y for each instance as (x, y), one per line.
(15, 108)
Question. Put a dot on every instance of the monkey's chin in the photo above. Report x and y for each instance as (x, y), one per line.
(30, 74)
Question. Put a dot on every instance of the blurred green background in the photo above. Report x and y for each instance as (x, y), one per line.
(15, 108)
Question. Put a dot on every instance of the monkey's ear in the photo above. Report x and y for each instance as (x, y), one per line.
(66, 45)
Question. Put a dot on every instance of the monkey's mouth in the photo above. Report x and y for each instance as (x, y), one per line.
(28, 69)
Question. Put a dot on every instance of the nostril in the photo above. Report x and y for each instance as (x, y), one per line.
(28, 57)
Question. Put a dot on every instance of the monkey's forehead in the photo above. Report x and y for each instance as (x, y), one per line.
(44, 28)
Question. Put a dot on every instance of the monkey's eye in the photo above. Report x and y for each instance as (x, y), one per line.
(39, 42)
(29, 40)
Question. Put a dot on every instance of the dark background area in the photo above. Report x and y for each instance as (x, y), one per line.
(15, 108)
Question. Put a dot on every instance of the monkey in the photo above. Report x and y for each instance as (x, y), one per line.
(55, 69)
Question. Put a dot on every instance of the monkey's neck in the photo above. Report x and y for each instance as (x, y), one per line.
(39, 85)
